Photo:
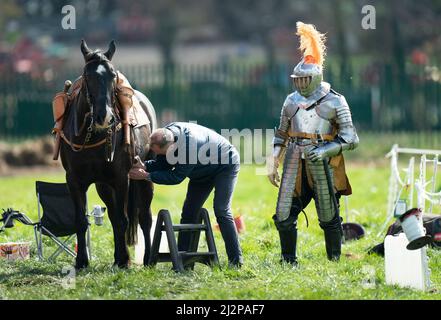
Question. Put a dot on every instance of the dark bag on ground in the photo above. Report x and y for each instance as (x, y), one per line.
(431, 222)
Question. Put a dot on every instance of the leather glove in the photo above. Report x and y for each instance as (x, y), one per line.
(327, 150)
(273, 174)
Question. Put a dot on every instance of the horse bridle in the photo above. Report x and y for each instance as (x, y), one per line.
(110, 140)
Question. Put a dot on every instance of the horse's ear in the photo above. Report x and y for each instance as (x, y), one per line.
(85, 49)
(109, 53)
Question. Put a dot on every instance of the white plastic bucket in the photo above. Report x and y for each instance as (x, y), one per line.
(403, 267)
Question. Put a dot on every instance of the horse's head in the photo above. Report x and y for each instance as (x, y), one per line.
(99, 83)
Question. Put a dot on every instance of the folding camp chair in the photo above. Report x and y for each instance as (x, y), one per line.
(56, 219)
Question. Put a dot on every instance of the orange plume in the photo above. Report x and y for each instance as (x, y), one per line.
(312, 43)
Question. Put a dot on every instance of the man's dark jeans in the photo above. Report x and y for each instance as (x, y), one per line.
(223, 184)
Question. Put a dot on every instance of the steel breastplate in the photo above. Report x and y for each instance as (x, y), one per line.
(308, 121)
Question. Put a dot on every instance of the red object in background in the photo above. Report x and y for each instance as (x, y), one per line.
(76, 247)
(419, 57)
(239, 222)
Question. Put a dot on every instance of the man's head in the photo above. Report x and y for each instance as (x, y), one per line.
(160, 140)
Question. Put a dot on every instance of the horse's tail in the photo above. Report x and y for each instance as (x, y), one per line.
(132, 215)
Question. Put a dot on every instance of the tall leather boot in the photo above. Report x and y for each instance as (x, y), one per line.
(333, 240)
(288, 244)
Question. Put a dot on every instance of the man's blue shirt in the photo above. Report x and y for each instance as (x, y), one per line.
(200, 154)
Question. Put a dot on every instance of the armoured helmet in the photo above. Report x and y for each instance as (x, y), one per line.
(308, 73)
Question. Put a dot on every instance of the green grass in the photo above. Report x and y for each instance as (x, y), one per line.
(261, 277)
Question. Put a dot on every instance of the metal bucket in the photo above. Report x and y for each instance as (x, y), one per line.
(98, 214)
(414, 230)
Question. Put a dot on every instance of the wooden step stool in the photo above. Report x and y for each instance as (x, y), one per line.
(182, 260)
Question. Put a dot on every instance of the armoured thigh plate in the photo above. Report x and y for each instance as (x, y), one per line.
(323, 200)
(288, 183)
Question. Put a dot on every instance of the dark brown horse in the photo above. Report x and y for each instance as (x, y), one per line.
(95, 152)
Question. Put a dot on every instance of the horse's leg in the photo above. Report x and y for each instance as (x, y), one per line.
(144, 196)
(106, 194)
(121, 197)
(110, 198)
(78, 194)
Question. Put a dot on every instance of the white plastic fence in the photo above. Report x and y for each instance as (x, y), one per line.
(425, 188)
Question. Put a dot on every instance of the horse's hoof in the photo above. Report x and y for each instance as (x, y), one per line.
(146, 261)
(121, 265)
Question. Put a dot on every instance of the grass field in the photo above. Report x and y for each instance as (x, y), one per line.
(357, 276)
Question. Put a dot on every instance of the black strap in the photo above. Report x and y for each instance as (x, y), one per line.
(297, 196)
(331, 187)
(335, 92)
(306, 217)
(315, 104)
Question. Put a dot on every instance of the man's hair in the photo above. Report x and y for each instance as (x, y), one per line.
(161, 137)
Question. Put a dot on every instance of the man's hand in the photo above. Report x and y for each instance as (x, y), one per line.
(138, 174)
(274, 178)
(273, 174)
(138, 171)
(138, 163)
